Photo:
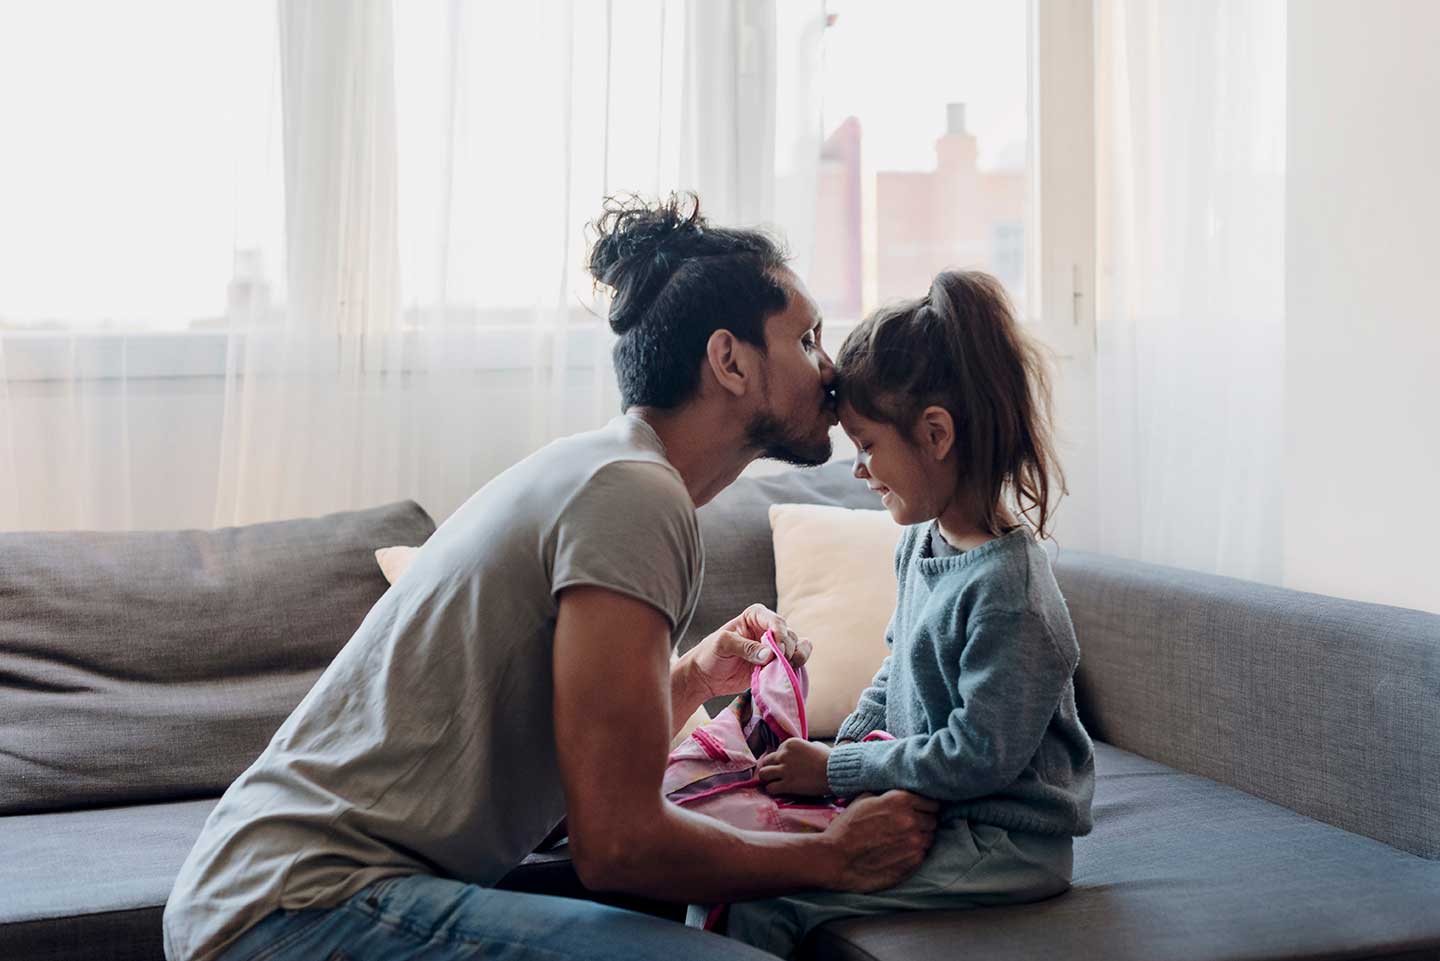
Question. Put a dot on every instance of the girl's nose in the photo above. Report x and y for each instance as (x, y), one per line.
(859, 471)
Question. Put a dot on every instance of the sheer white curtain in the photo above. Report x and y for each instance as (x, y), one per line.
(408, 312)
(1190, 308)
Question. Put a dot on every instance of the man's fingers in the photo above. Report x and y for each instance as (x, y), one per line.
(760, 619)
(754, 652)
(803, 650)
(772, 772)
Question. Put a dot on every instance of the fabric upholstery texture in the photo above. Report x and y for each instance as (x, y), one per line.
(156, 665)
(92, 884)
(835, 584)
(1177, 867)
(1328, 707)
(1184, 869)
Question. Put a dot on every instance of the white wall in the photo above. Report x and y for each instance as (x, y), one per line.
(1362, 274)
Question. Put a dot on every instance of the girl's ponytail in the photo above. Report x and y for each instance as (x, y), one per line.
(960, 348)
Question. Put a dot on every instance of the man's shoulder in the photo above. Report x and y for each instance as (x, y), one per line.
(630, 487)
(623, 456)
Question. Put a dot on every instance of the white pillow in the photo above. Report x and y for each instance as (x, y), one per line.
(395, 561)
(835, 585)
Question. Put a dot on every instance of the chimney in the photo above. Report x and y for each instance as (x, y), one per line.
(955, 118)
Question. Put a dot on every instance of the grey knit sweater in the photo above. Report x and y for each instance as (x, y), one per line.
(978, 690)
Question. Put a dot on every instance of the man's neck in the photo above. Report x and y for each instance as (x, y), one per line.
(703, 444)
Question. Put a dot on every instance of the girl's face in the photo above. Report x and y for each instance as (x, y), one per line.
(913, 486)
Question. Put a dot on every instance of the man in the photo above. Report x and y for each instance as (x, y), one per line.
(520, 671)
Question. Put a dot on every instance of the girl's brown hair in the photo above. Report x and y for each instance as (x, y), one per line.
(961, 348)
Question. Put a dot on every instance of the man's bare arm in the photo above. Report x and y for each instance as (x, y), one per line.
(613, 697)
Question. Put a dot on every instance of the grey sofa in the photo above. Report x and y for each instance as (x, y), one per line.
(1268, 761)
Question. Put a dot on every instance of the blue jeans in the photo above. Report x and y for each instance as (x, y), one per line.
(419, 916)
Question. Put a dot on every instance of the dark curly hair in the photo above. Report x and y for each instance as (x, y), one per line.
(676, 280)
(960, 348)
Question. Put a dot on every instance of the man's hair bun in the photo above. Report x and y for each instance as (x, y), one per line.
(676, 280)
(638, 246)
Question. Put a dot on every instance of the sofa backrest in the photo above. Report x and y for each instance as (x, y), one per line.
(1328, 707)
(156, 665)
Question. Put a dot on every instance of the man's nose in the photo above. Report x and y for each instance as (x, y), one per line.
(827, 369)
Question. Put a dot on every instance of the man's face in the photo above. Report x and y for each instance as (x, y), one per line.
(797, 403)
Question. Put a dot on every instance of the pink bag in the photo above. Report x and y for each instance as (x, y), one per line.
(715, 770)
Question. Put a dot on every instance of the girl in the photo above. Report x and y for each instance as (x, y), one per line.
(947, 403)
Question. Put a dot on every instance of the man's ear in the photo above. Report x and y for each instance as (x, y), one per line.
(731, 361)
(935, 431)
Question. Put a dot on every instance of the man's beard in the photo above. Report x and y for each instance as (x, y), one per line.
(778, 441)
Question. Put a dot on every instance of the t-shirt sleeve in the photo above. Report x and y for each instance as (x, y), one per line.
(630, 529)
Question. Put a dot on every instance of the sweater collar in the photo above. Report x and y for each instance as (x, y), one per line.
(928, 564)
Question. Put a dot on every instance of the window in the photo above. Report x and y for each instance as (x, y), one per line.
(138, 203)
(135, 166)
(924, 164)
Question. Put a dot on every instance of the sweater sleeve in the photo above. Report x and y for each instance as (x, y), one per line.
(1011, 681)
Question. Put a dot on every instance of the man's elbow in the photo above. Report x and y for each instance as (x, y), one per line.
(610, 862)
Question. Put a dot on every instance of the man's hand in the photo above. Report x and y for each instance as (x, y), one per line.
(721, 664)
(880, 841)
(796, 767)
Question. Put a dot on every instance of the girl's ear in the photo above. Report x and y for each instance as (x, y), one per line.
(935, 432)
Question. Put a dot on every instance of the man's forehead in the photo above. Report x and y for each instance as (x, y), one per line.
(800, 307)
(804, 311)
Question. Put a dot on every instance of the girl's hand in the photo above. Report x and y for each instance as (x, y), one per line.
(796, 767)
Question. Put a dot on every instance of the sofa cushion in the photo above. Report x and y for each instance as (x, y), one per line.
(1181, 867)
(1177, 867)
(156, 665)
(92, 884)
(1328, 707)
